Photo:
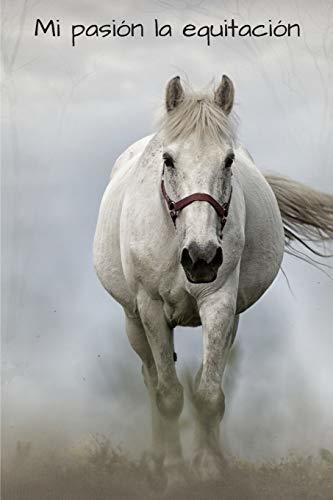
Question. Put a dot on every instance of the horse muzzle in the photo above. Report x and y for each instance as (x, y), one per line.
(201, 263)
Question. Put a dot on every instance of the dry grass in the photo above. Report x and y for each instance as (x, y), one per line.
(97, 471)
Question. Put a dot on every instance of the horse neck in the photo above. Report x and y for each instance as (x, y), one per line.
(150, 163)
(148, 176)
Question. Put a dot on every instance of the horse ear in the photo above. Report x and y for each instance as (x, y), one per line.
(174, 94)
(224, 94)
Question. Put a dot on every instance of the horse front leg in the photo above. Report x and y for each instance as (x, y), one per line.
(138, 340)
(219, 327)
(169, 392)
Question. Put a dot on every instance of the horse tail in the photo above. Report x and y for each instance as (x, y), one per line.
(307, 215)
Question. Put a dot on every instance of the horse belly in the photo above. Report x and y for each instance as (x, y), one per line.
(259, 266)
(107, 254)
(264, 242)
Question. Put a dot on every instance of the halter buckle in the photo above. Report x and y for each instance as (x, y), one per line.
(173, 215)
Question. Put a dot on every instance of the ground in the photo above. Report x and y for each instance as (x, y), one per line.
(100, 472)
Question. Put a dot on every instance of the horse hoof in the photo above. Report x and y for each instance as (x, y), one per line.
(208, 466)
(153, 465)
(176, 479)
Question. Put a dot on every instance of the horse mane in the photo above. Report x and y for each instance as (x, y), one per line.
(200, 116)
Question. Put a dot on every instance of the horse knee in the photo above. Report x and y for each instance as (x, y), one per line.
(149, 374)
(170, 400)
(210, 404)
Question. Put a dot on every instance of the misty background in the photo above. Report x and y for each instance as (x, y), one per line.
(67, 368)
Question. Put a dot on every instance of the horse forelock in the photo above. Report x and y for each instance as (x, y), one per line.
(199, 116)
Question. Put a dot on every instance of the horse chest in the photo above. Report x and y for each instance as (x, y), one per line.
(181, 309)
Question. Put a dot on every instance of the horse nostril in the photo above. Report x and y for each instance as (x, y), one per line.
(201, 263)
(195, 256)
(218, 258)
(186, 260)
(208, 253)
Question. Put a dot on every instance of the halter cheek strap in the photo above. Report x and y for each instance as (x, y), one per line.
(176, 206)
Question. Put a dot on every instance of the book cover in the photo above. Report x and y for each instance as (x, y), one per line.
(167, 214)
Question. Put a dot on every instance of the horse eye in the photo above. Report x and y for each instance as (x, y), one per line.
(168, 161)
(229, 160)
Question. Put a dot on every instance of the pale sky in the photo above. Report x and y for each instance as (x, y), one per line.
(67, 114)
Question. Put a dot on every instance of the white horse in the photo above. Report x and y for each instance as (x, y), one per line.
(191, 233)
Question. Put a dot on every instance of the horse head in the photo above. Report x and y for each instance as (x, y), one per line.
(198, 138)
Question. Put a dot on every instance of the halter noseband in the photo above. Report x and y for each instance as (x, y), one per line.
(176, 206)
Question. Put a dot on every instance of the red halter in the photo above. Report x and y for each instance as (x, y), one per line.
(176, 206)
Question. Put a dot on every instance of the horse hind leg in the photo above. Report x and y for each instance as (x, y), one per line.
(138, 340)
